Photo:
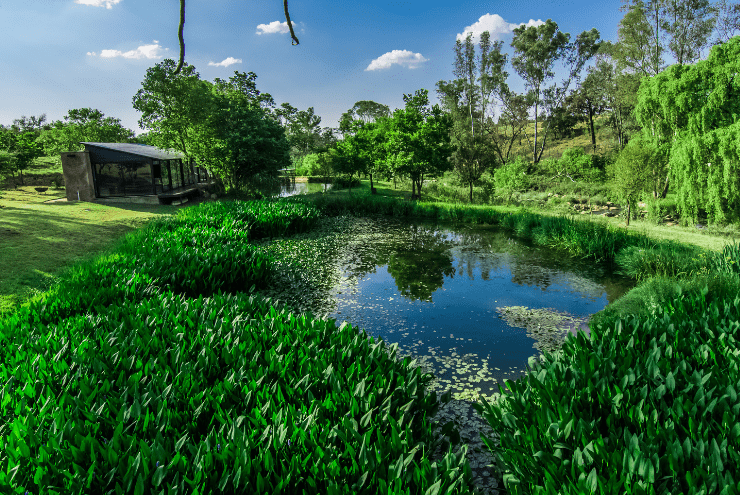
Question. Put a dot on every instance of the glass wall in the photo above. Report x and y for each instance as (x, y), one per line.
(124, 179)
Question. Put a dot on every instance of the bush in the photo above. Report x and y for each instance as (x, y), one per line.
(511, 178)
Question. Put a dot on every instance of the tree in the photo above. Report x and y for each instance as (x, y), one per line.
(536, 49)
(350, 157)
(248, 146)
(363, 112)
(694, 111)
(466, 100)
(175, 108)
(472, 155)
(591, 97)
(728, 21)
(7, 163)
(620, 92)
(641, 37)
(30, 124)
(25, 149)
(182, 39)
(83, 125)
(628, 178)
(418, 140)
(690, 24)
(304, 131)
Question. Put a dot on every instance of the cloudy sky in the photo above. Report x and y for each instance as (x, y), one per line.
(61, 54)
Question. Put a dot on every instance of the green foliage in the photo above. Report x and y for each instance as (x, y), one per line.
(574, 164)
(83, 125)
(235, 383)
(308, 165)
(693, 110)
(511, 177)
(600, 415)
(628, 178)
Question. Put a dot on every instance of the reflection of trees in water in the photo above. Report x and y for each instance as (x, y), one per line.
(419, 265)
(418, 257)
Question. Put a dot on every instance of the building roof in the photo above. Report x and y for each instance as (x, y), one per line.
(139, 150)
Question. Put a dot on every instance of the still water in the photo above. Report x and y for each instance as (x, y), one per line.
(301, 188)
(471, 304)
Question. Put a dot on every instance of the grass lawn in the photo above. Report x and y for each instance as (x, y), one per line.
(39, 239)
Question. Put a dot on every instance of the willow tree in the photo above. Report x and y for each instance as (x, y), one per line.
(696, 111)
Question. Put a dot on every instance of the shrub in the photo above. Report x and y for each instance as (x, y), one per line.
(511, 178)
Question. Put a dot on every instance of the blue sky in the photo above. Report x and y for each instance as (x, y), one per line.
(61, 54)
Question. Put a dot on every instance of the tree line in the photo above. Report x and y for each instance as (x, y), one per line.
(627, 87)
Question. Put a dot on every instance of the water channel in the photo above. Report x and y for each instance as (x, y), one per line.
(472, 304)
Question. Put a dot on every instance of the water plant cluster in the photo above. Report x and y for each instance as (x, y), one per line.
(123, 380)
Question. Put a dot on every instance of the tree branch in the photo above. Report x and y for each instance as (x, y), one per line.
(290, 24)
(182, 40)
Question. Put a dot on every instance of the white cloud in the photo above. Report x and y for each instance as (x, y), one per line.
(108, 4)
(144, 51)
(494, 24)
(275, 27)
(400, 57)
(226, 62)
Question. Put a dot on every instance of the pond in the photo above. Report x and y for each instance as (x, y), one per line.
(470, 303)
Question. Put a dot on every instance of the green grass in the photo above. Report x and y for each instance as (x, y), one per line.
(38, 240)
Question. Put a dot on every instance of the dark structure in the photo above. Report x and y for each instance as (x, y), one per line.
(115, 170)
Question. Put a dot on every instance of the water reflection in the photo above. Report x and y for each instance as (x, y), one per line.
(471, 304)
(293, 188)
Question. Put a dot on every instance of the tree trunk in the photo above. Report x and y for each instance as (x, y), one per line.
(372, 189)
(665, 189)
(629, 207)
(536, 108)
(413, 189)
(471, 192)
(591, 121)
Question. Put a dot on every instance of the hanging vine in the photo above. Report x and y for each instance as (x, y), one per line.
(182, 39)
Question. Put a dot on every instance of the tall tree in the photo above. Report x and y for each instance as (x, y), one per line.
(690, 22)
(175, 107)
(694, 111)
(591, 96)
(418, 140)
(80, 125)
(304, 131)
(536, 49)
(362, 112)
(728, 21)
(30, 124)
(642, 33)
(247, 146)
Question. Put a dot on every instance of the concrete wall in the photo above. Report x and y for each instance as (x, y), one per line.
(78, 176)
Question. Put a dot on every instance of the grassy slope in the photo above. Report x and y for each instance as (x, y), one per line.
(38, 239)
